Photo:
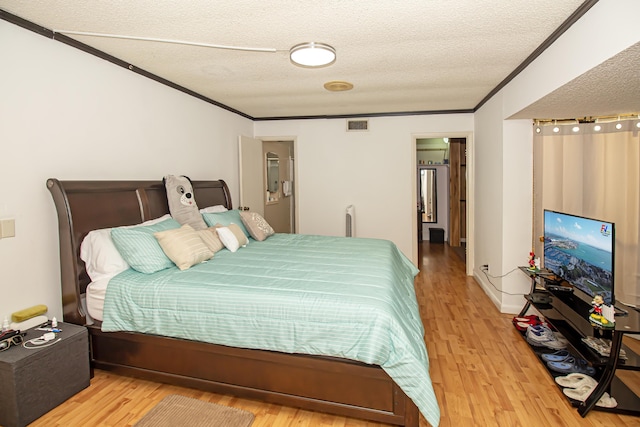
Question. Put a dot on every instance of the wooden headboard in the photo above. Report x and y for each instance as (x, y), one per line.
(83, 206)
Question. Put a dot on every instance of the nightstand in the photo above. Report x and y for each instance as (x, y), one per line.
(34, 381)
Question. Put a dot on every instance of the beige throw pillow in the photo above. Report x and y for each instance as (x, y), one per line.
(257, 226)
(183, 246)
(210, 238)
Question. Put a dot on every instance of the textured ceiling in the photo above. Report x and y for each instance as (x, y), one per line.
(401, 55)
(612, 88)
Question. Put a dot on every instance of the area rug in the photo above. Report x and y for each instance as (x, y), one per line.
(175, 410)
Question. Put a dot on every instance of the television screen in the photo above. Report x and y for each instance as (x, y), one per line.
(581, 251)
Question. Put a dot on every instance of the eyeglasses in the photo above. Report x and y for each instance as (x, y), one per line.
(6, 343)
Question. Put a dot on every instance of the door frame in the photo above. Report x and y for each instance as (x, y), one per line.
(470, 192)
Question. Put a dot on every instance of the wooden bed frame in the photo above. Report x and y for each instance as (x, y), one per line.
(325, 384)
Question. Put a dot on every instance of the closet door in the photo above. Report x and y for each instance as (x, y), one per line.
(457, 191)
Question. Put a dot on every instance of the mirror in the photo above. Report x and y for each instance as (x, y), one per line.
(273, 174)
(428, 195)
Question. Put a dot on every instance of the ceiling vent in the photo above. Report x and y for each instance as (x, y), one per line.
(357, 125)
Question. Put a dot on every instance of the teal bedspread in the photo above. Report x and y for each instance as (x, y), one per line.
(345, 297)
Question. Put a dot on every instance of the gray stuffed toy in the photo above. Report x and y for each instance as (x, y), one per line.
(182, 204)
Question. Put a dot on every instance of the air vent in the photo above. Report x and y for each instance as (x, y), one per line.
(357, 125)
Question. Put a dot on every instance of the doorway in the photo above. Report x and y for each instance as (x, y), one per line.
(279, 199)
(267, 181)
(459, 191)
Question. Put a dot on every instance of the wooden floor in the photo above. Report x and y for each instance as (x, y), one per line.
(483, 372)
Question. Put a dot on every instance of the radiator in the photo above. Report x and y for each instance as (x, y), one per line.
(350, 229)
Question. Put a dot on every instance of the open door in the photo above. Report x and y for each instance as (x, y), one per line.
(251, 174)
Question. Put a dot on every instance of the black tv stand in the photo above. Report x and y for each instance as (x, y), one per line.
(620, 311)
(568, 313)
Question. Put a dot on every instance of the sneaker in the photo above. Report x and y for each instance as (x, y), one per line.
(543, 336)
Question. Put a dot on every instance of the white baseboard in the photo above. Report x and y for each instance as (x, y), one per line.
(493, 294)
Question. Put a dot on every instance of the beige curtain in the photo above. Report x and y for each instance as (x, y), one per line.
(593, 173)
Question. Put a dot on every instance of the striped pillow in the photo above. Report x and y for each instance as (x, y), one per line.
(225, 218)
(183, 246)
(139, 247)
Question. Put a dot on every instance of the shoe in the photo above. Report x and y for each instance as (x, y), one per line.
(576, 380)
(585, 391)
(558, 356)
(543, 336)
(522, 323)
(572, 365)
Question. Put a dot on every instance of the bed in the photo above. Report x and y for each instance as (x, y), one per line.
(327, 383)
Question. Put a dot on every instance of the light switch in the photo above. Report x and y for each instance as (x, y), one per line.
(7, 228)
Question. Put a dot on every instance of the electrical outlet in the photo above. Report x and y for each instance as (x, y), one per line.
(485, 267)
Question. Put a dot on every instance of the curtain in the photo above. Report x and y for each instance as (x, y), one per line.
(592, 170)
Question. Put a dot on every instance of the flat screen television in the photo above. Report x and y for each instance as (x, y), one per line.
(581, 251)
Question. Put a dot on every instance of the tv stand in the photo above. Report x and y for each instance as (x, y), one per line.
(568, 313)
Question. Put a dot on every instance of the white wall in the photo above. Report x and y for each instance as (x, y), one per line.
(374, 170)
(503, 177)
(70, 115)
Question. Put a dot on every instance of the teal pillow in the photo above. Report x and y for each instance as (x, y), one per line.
(225, 218)
(139, 247)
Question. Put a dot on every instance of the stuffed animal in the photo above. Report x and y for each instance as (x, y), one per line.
(182, 204)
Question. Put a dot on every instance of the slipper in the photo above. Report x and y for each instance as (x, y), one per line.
(522, 323)
(571, 365)
(521, 326)
(527, 319)
(558, 356)
(585, 391)
(576, 380)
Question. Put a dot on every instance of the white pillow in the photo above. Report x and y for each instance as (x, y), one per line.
(214, 209)
(99, 253)
(232, 237)
(100, 256)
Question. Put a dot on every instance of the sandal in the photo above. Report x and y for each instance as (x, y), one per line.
(558, 356)
(572, 365)
(576, 380)
(522, 323)
(585, 391)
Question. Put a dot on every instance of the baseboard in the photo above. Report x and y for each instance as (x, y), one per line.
(492, 293)
(488, 289)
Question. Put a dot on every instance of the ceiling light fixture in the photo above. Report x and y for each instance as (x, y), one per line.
(312, 55)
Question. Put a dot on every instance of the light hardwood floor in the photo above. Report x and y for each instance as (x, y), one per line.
(483, 372)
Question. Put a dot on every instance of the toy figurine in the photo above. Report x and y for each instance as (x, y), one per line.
(596, 315)
(532, 261)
